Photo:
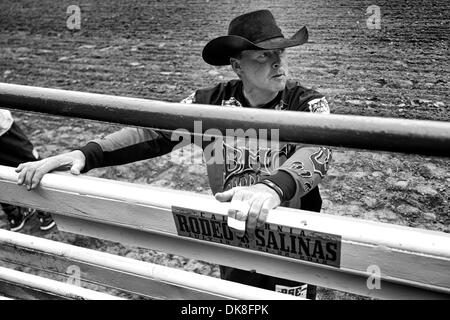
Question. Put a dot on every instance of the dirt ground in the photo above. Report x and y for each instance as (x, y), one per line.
(152, 49)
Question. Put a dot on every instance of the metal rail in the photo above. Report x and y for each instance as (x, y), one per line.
(413, 263)
(61, 290)
(128, 272)
(373, 133)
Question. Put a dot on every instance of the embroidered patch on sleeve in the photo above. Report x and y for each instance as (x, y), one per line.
(6, 121)
(300, 170)
(281, 105)
(232, 102)
(190, 99)
(307, 186)
(319, 105)
(320, 160)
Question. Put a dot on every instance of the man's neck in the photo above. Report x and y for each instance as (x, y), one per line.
(257, 97)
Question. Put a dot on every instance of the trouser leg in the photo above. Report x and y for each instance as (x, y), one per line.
(15, 149)
(268, 282)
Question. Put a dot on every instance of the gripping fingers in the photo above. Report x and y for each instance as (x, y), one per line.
(29, 174)
(266, 207)
(254, 213)
(22, 172)
(46, 166)
(237, 215)
(38, 174)
(20, 167)
(226, 195)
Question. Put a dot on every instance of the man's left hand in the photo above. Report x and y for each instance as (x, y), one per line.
(250, 204)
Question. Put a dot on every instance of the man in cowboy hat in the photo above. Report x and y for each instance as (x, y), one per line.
(255, 49)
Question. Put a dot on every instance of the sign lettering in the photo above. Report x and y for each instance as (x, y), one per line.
(307, 245)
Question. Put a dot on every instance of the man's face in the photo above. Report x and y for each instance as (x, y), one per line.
(265, 70)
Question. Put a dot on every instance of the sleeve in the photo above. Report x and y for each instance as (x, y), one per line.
(306, 168)
(132, 144)
(6, 121)
(125, 146)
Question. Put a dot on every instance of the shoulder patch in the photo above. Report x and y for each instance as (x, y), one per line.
(321, 160)
(6, 121)
(232, 102)
(190, 99)
(319, 105)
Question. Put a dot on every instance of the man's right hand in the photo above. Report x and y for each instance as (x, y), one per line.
(31, 173)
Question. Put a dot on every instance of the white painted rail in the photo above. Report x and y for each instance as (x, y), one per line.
(414, 263)
(51, 287)
(156, 281)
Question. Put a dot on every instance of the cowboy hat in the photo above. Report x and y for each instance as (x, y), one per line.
(255, 30)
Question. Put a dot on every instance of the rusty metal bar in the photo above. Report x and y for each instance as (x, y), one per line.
(372, 133)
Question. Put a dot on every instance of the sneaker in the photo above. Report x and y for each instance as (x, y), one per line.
(46, 221)
(18, 217)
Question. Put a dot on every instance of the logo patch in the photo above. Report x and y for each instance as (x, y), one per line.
(299, 291)
(281, 106)
(307, 186)
(244, 165)
(320, 160)
(319, 106)
(232, 102)
(190, 99)
(300, 170)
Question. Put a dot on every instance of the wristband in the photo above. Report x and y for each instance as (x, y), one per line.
(285, 181)
(274, 187)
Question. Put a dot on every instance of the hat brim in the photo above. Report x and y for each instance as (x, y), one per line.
(218, 51)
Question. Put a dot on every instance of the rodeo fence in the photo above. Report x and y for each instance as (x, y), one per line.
(108, 271)
(330, 251)
(414, 263)
(372, 133)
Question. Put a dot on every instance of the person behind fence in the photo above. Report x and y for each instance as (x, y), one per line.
(14, 149)
(255, 48)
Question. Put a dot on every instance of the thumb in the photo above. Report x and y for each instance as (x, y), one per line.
(225, 196)
(20, 167)
(76, 168)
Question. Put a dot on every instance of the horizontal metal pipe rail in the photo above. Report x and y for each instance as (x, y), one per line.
(373, 133)
(204, 287)
(10, 277)
(412, 263)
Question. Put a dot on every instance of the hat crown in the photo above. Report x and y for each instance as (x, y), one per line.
(256, 26)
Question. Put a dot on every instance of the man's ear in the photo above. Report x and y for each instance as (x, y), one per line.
(236, 65)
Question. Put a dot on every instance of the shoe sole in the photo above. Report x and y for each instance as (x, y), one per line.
(22, 224)
(51, 225)
(19, 227)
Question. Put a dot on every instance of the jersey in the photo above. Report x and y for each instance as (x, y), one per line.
(243, 164)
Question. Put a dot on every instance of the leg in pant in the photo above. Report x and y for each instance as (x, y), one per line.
(16, 148)
(311, 202)
(268, 282)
